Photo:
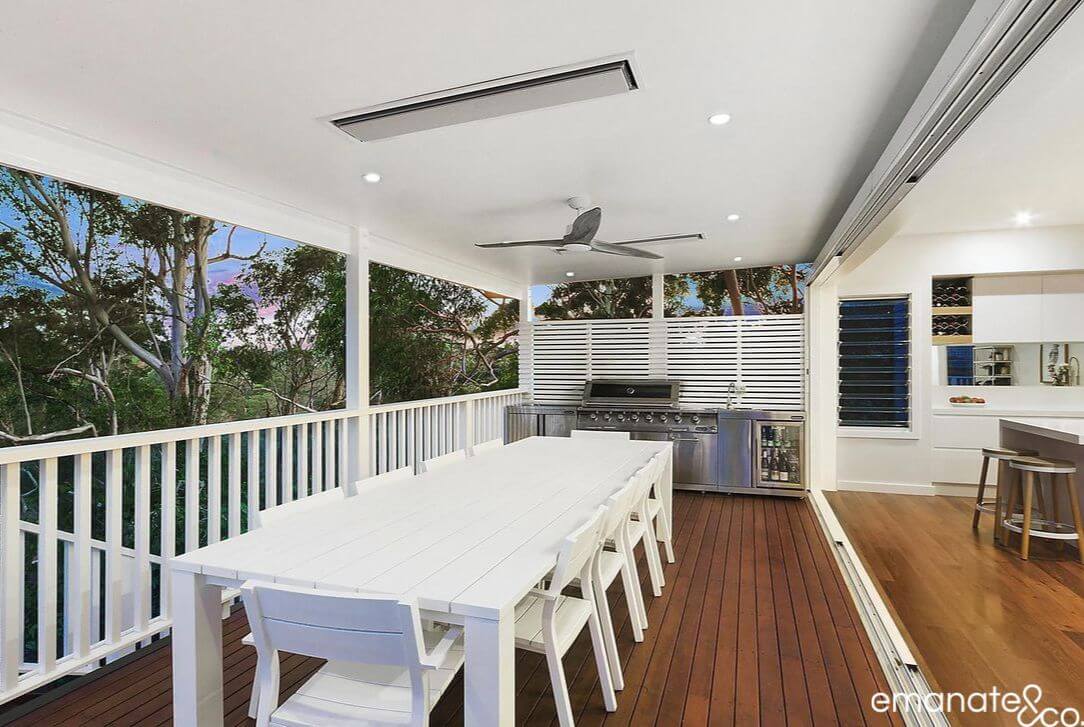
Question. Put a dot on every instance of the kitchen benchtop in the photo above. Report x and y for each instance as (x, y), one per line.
(1064, 429)
(994, 411)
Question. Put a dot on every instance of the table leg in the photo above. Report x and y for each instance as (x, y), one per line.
(197, 650)
(489, 697)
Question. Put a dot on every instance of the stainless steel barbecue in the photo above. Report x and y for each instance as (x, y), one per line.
(648, 409)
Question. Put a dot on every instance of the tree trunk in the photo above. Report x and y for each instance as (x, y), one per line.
(733, 291)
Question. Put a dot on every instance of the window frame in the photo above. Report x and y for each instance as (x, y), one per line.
(881, 431)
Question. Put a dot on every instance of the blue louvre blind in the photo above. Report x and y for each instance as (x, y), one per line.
(874, 363)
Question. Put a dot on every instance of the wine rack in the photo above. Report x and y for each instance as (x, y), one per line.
(951, 322)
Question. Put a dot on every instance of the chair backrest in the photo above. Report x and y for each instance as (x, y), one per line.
(360, 628)
(619, 507)
(444, 460)
(371, 484)
(577, 550)
(340, 626)
(483, 447)
(279, 513)
(594, 434)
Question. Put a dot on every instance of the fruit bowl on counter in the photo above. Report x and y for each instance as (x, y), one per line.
(967, 401)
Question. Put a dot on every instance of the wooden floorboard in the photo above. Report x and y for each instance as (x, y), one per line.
(976, 615)
(754, 626)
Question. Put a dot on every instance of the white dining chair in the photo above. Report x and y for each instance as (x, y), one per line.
(382, 667)
(444, 460)
(547, 622)
(642, 530)
(660, 506)
(371, 484)
(598, 434)
(619, 561)
(483, 447)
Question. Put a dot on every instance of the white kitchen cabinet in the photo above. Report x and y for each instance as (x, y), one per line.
(1062, 308)
(1006, 308)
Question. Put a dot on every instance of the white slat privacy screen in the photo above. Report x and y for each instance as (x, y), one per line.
(765, 354)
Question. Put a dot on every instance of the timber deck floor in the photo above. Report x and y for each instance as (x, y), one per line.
(976, 615)
(755, 626)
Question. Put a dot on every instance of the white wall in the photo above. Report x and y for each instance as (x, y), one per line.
(901, 461)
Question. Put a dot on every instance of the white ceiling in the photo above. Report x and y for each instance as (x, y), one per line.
(234, 91)
(1024, 153)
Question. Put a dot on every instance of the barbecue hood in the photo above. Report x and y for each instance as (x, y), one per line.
(645, 393)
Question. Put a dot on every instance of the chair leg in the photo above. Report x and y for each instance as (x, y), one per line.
(1025, 527)
(630, 577)
(254, 698)
(598, 645)
(654, 563)
(612, 654)
(557, 681)
(1074, 506)
(981, 493)
(662, 534)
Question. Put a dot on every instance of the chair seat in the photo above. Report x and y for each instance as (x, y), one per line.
(654, 507)
(1006, 453)
(344, 693)
(569, 619)
(610, 566)
(1042, 464)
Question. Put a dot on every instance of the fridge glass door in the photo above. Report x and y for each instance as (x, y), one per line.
(780, 461)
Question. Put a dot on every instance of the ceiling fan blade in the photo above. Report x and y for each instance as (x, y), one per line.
(522, 243)
(585, 226)
(663, 238)
(612, 249)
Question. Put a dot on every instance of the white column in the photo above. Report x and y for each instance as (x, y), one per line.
(658, 295)
(357, 357)
(822, 325)
(656, 353)
(526, 321)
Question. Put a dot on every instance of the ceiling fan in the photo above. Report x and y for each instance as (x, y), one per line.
(580, 236)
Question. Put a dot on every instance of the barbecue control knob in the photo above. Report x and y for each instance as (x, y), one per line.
(696, 419)
(594, 417)
(677, 419)
(606, 416)
(647, 417)
(620, 417)
(662, 417)
(634, 417)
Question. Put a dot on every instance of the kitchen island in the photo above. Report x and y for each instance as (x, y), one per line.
(1052, 438)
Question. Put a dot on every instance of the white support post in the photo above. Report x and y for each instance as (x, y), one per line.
(656, 348)
(114, 564)
(357, 358)
(11, 577)
(658, 295)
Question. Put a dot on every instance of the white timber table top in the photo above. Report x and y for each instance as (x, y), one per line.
(467, 539)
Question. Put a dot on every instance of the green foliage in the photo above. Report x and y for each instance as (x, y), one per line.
(771, 290)
(430, 337)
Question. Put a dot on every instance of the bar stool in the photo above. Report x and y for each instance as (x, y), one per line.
(1002, 455)
(1031, 468)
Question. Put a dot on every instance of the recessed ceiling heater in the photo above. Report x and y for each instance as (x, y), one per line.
(499, 97)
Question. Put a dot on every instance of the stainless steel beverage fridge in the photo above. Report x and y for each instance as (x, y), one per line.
(779, 458)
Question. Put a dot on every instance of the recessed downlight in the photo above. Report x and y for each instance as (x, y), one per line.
(570, 274)
(1024, 218)
(733, 217)
(371, 177)
(719, 119)
(737, 259)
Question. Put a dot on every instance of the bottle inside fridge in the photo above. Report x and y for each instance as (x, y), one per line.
(780, 456)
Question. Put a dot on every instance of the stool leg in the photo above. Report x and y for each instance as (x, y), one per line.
(1010, 503)
(1040, 496)
(1025, 530)
(1074, 505)
(1055, 511)
(982, 491)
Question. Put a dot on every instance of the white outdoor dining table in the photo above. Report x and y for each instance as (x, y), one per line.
(468, 541)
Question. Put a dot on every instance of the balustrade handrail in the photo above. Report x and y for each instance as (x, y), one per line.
(418, 403)
(90, 445)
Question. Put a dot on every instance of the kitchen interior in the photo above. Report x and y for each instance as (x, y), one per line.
(953, 343)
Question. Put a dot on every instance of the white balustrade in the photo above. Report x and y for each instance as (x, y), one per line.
(87, 526)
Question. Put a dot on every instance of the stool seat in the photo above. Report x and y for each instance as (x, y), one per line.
(1000, 453)
(1041, 464)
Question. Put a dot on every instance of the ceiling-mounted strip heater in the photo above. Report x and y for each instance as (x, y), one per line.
(497, 97)
(1014, 31)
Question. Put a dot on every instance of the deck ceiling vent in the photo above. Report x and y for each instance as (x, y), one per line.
(490, 99)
